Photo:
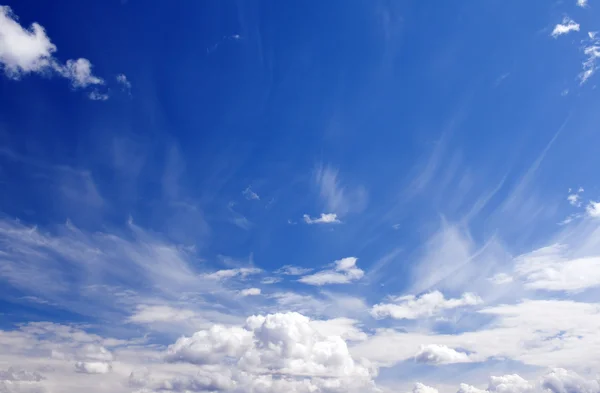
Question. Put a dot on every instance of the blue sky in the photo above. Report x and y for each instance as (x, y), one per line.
(366, 196)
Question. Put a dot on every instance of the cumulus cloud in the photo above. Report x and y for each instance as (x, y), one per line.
(343, 272)
(24, 51)
(426, 305)
(568, 25)
(555, 268)
(93, 367)
(422, 388)
(582, 3)
(557, 380)
(593, 209)
(285, 345)
(440, 354)
(80, 73)
(325, 218)
(250, 292)
(560, 380)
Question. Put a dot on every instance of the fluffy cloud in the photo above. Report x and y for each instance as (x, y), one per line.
(593, 209)
(326, 218)
(557, 268)
(427, 305)
(568, 25)
(563, 381)
(80, 73)
(250, 292)
(422, 388)
(582, 3)
(440, 354)
(286, 345)
(24, 51)
(557, 380)
(344, 272)
(92, 367)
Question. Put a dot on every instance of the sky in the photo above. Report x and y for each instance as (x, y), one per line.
(317, 197)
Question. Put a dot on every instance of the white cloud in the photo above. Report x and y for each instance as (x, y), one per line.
(80, 73)
(93, 367)
(346, 328)
(555, 332)
(501, 278)
(554, 268)
(24, 51)
(231, 273)
(344, 272)
(250, 292)
(440, 354)
(290, 270)
(285, 345)
(13, 374)
(270, 280)
(250, 195)
(593, 209)
(591, 50)
(563, 381)
(337, 197)
(97, 96)
(422, 388)
(160, 313)
(582, 3)
(568, 25)
(326, 218)
(123, 81)
(426, 305)
(574, 198)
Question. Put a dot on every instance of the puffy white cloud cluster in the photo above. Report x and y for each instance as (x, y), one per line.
(325, 218)
(343, 272)
(24, 51)
(440, 354)
(426, 305)
(568, 25)
(557, 380)
(274, 353)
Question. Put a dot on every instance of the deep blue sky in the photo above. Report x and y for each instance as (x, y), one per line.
(437, 133)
